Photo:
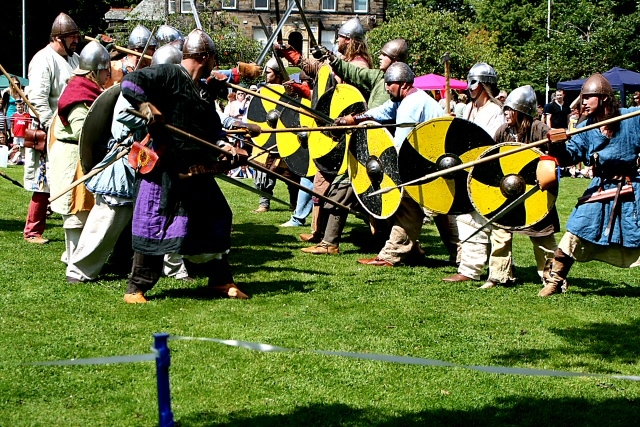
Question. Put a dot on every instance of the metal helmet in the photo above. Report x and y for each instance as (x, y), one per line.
(273, 64)
(481, 73)
(396, 49)
(198, 43)
(167, 54)
(168, 34)
(399, 72)
(93, 57)
(597, 84)
(352, 29)
(63, 25)
(139, 37)
(522, 99)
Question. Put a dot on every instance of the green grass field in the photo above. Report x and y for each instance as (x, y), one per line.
(309, 303)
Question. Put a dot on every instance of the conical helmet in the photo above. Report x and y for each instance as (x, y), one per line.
(522, 99)
(597, 84)
(481, 73)
(167, 54)
(273, 64)
(93, 57)
(396, 49)
(197, 43)
(168, 34)
(352, 29)
(63, 25)
(399, 72)
(139, 37)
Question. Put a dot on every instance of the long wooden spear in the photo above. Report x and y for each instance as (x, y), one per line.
(524, 147)
(121, 49)
(22, 95)
(255, 165)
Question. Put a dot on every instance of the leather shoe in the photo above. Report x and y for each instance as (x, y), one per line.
(261, 209)
(135, 298)
(457, 278)
(229, 290)
(375, 261)
(321, 249)
(36, 239)
(311, 238)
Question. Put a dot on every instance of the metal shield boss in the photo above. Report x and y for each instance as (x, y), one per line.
(330, 155)
(373, 164)
(96, 130)
(495, 184)
(436, 145)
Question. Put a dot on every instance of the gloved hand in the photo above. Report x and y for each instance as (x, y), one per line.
(320, 52)
(288, 52)
(105, 41)
(348, 120)
(557, 135)
(249, 71)
(546, 172)
(151, 113)
(254, 129)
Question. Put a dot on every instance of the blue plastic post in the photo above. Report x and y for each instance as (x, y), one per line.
(163, 361)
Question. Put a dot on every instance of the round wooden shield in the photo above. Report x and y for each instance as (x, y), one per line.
(266, 114)
(294, 147)
(324, 81)
(330, 155)
(96, 130)
(436, 145)
(495, 184)
(373, 164)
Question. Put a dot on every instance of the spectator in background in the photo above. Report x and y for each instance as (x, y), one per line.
(4, 140)
(557, 112)
(20, 122)
(9, 96)
(502, 96)
(462, 102)
(636, 99)
(4, 122)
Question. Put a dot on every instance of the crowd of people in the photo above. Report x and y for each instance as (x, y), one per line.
(150, 210)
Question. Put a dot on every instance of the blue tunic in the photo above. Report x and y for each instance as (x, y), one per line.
(617, 156)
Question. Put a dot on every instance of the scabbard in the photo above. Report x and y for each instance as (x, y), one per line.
(606, 195)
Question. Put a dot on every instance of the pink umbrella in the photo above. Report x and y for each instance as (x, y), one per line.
(437, 82)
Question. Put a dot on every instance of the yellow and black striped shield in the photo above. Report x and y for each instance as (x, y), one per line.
(434, 145)
(491, 187)
(373, 164)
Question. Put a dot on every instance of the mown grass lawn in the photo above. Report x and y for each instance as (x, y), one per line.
(311, 303)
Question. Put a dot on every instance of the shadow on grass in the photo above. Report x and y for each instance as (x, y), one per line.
(588, 287)
(251, 234)
(609, 341)
(251, 289)
(11, 225)
(511, 411)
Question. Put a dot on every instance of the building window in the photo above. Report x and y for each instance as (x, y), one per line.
(185, 7)
(260, 36)
(360, 6)
(172, 6)
(261, 4)
(229, 4)
(329, 5)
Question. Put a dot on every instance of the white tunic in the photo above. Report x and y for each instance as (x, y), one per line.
(48, 75)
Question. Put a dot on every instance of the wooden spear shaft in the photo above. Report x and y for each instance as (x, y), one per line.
(121, 49)
(499, 155)
(275, 101)
(328, 128)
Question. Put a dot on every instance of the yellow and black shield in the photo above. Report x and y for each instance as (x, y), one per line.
(331, 155)
(373, 164)
(436, 145)
(495, 184)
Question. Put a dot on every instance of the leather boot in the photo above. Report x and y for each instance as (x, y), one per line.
(555, 274)
(314, 219)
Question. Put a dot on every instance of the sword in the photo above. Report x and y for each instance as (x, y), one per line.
(523, 147)
(506, 210)
(11, 180)
(195, 14)
(144, 51)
